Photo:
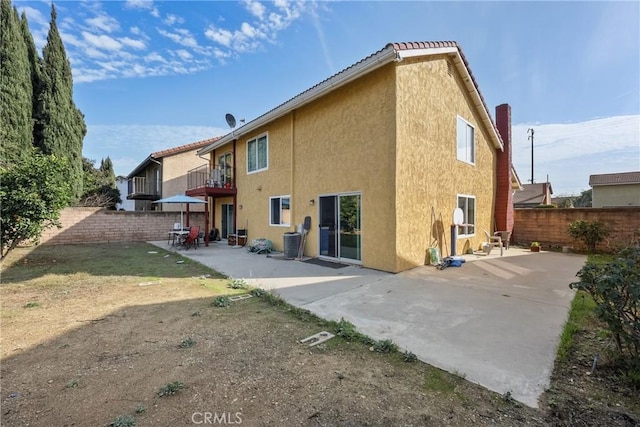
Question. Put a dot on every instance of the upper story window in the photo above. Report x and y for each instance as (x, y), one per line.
(257, 154)
(466, 146)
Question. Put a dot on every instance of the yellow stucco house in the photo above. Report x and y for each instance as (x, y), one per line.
(378, 155)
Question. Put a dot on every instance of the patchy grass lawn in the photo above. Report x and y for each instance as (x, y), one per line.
(114, 333)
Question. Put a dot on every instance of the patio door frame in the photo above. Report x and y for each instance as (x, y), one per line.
(337, 226)
(227, 218)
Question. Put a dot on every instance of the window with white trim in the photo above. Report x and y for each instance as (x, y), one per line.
(466, 147)
(280, 211)
(468, 206)
(257, 154)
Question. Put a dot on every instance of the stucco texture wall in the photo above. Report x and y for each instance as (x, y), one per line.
(616, 195)
(174, 178)
(428, 173)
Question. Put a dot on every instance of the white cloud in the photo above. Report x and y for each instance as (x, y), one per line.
(135, 44)
(183, 54)
(102, 41)
(219, 35)
(569, 153)
(144, 5)
(154, 56)
(103, 22)
(34, 15)
(257, 9)
(180, 36)
(172, 19)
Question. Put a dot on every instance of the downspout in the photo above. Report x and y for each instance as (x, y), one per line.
(235, 195)
(292, 163)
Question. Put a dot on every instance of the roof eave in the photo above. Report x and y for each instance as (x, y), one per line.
(141, 166)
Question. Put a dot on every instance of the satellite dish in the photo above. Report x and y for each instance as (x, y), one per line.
(458, 216)
(231, 121)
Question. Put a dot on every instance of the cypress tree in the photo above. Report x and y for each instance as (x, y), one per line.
(106, 167)
(16, 126)
(60, 126)
(34, 66)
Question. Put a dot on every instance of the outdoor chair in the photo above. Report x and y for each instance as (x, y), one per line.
(191, 240)
(493, 241)
(505, 236)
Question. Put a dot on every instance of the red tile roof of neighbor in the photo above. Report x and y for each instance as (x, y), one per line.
(615, 178)
(183, 148)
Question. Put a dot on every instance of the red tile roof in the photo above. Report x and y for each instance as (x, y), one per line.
(615, 178)
(183, 148)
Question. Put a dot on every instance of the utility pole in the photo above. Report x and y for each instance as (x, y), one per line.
(530, 131)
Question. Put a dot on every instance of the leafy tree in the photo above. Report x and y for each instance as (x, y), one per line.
(591, 233)
(31, 197)
(16, 125)
(584, 199)
(60, 126)
(100, 185)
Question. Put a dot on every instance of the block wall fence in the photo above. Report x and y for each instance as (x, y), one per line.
(88, 225)
(549, 226)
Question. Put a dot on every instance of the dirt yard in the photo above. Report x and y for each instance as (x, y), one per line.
(93, 333)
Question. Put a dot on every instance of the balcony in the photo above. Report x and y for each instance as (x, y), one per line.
(140, 188)
(206, 181)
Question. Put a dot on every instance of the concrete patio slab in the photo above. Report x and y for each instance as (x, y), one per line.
(495, 320)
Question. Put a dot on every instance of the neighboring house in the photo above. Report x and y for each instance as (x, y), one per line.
(533, 195)
(615, 189)
(123, 185)
(164, 174)
(378, 155)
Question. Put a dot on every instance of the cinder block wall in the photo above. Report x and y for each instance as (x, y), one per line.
(549, 226)
(87, 225)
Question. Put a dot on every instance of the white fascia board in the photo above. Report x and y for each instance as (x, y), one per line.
(356, 71)
(409, 53)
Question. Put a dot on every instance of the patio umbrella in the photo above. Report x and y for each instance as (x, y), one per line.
(182, 199)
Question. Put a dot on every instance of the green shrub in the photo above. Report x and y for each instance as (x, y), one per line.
(170, 389)
(615, 288)
(385, 346)
(237, 284)
(186, 343)
(221, 301)
(346, 330)
(257, 292)
(591, 233)
(409, 357)
(123, 421)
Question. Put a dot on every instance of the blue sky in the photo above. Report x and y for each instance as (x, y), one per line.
(150, 75)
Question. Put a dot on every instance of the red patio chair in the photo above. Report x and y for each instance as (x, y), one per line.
(192, 239)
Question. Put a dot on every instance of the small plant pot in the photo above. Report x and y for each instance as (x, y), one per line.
(535, 248)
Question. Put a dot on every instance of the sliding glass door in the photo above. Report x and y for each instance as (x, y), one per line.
(340, 226)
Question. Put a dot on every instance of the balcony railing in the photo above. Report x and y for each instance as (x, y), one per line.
(140, 186)
(204, 176)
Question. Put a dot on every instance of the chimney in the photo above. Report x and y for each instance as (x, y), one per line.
(504, 193)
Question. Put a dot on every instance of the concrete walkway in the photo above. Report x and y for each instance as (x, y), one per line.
(496, 320)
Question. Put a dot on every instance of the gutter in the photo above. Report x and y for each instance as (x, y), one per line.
(373, 62)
